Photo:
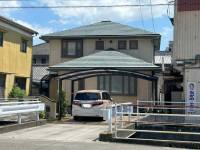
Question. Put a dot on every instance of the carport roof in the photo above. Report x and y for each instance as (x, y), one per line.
(105, 59)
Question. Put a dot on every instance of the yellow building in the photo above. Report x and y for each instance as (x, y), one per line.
(15, 56)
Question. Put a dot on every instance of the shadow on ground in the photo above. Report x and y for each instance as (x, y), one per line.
(4, 123)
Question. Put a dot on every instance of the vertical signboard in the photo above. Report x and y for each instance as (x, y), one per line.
(191, 97)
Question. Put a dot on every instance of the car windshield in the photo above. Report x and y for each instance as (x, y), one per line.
(87, 96)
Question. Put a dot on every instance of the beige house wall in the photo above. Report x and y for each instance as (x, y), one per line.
(145, 46)
(55, 53)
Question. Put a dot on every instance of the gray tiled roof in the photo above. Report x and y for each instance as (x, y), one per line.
(41, 49)
(104, 28)
(105, 59)
(39, 72)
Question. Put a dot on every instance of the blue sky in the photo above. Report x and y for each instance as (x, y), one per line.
(50, 20)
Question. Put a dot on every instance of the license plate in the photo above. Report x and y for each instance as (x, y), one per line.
(86, 105)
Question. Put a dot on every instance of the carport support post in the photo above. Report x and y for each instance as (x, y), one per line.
(72, 94)
(156, 91)
(59, 98)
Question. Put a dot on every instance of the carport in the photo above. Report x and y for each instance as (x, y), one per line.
(104, 63)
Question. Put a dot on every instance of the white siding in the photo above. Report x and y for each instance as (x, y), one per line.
(186, 34)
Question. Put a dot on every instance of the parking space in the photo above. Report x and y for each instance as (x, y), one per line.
(65, 132)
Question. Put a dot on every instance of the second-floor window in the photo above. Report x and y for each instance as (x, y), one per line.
(24, 44)
(99, 45)
(133, 44)
(72, 48)
(122, 44)
(1, 38)
(43, 61)
(34, 61)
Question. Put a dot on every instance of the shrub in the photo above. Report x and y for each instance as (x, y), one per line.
(42, 115)
(17, 92)
(63, 105)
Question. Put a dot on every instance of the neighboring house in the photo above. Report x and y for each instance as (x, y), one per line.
(186, 52)
(170, 79)
(40, 69)
(105, 45)
(16, 56)
(41, 54)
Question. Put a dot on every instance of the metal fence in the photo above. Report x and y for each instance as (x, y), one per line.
(14, 107)
(154, 117)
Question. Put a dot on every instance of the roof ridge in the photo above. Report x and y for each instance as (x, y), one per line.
(102, 28)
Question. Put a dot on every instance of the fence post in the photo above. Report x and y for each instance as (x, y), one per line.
(115, 121)
(110, 119)
(19, 119)
(137, 109)
(37, 117)
(130, 112)
(121, 116)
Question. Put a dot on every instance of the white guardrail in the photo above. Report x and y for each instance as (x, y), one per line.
(19, 108)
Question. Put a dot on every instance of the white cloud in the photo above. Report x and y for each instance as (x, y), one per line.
(40, 29)
(166, 31)
(87, 15)
(6, 11)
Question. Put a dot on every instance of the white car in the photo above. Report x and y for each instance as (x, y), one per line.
(90, 103)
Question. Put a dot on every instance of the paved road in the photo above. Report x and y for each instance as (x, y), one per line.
(53, 145)
(74, 136)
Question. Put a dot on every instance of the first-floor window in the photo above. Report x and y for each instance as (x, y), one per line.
(1, 38)
(21, 82)
(118, 85)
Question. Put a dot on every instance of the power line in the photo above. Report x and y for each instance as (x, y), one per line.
(142, 18)
(152, 17)
(82, 6)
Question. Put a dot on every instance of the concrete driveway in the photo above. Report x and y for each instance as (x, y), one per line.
(66, 132)
(65, 136)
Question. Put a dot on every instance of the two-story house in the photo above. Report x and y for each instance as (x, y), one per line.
(186, 51)
(15, 56)
(40, 69)
(105, 45)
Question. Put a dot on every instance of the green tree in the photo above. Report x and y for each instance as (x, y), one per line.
(17, 92)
